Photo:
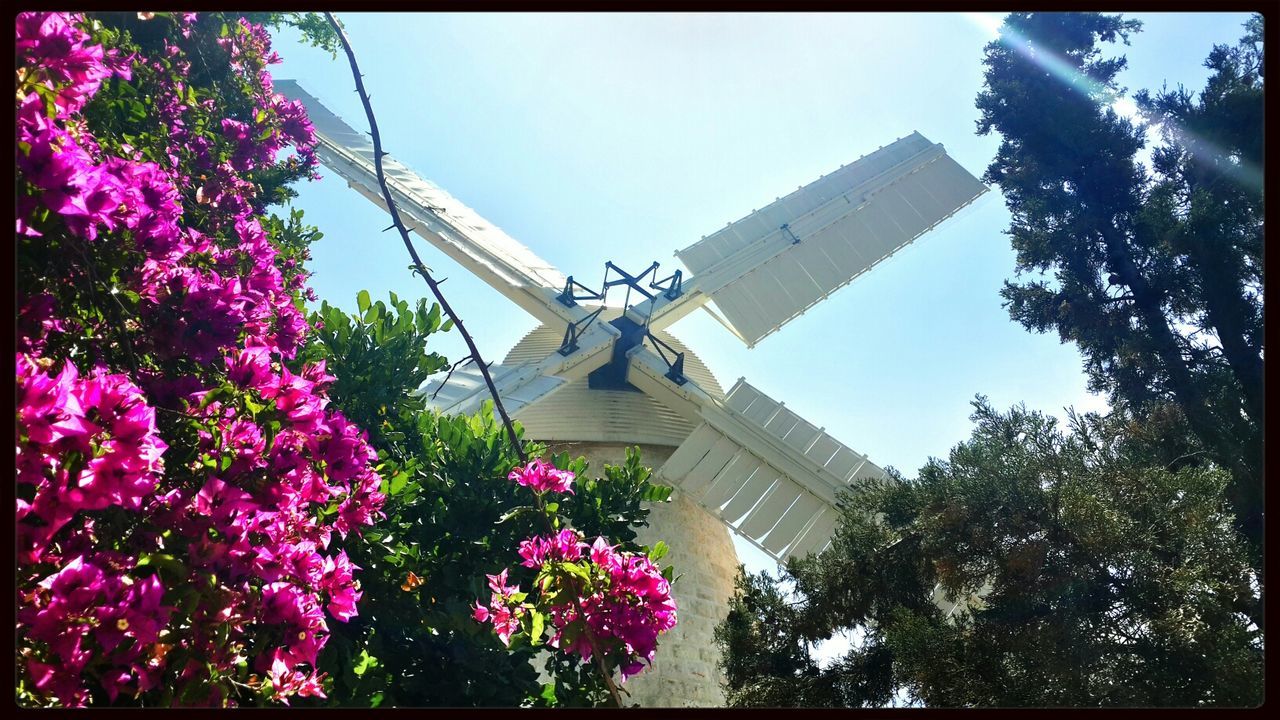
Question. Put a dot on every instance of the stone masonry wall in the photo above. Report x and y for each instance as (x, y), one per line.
(685, 672)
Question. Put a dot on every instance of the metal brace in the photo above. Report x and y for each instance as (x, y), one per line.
(671, 284)
(569, 298)
(569, 345)
(675, 369)
(786, 228)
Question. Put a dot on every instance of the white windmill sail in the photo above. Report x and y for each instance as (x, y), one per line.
(522, 384)
(444, 221)
(769, 267)
(768, 474)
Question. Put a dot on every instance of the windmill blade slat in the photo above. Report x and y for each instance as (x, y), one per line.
(750, 493)
(782, 423)
(766, 269)
(846, 463)
(742, 400)
(767, 473)
(822, 450)
(708, 468)
(691, 452)
(764, 516)
(750, 321)
(824, 270)
(792, 522)
(444, 221)
(803, 436)
(728, 480)
(817, 537)
(522, 384)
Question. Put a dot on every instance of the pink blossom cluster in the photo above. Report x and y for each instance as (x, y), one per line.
(264, 546)
(626, 616)
(136, 574)
(89, 612)
(565, 545)
(83, 444)
(198, 292)
(504, 609)
(543, 477)
(624, 607)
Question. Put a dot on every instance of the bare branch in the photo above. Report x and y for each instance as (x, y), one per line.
(451, 369)
(398, 224)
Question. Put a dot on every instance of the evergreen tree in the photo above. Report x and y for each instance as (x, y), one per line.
(1032, 568)
(1155, 274)
(1120, 563)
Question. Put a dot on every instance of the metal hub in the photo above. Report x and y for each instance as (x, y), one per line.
(613, 375)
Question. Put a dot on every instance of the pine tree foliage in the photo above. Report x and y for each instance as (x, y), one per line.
(1033, 567)
(1117, 563)
(1154, 273)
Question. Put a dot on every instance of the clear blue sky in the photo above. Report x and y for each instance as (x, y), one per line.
(624, 137)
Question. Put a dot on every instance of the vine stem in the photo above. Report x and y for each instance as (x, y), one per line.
(419, 267)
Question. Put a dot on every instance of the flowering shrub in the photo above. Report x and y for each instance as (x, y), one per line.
(598, 600)
(453, 516)
(179, 481)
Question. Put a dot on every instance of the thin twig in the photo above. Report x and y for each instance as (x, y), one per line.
(435, 290)
(408, 243)
(119, 311)
(451, 369)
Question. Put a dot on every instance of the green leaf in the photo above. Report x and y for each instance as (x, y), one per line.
(162, 561)
(513, 512)
(398, 482)
(362, 301)
(539, 623)
(656, 493)
(658, 551)
(576, 570)
(364, 662)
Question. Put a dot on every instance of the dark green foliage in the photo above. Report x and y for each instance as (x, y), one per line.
(452, 517)
(1085, 575)
(1155, 275)
(1115, 565)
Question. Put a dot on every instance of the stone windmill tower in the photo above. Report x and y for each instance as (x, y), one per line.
(594, 379)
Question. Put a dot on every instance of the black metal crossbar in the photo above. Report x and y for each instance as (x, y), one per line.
(671, 284)
(675, 368)
(570, 343)
(569, 297)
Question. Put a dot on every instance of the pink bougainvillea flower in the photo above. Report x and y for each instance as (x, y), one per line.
(498, 584)
(210, 287)
(542, 477)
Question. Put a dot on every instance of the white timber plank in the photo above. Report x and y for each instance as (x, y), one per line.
(749, 494)
(793, 520)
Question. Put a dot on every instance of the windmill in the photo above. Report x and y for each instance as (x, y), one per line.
(595, 379)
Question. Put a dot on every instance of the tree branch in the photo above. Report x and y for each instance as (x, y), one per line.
(408, 243)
